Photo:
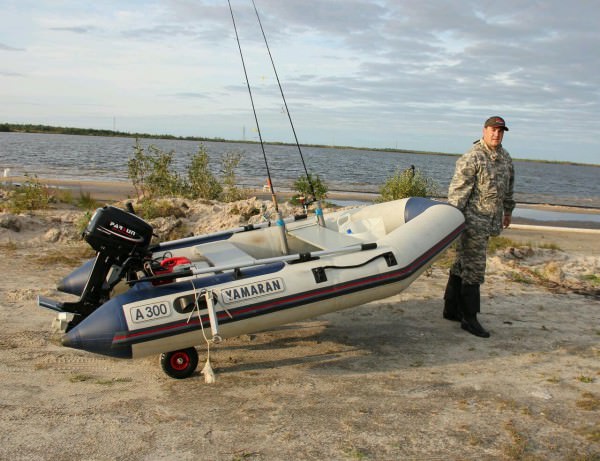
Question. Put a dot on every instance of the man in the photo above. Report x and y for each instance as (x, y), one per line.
(482, 188)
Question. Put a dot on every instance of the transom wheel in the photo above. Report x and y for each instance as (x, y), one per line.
(179, 364)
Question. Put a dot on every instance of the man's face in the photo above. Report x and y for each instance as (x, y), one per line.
(492, 135)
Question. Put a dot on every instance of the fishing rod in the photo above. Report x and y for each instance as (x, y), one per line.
(280, 223)
(318, 210)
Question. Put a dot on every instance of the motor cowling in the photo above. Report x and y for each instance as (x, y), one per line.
(117, 233)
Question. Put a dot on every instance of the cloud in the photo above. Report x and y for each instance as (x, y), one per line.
(378, 73)
(74, 29)
(5, 73)
(4, 47)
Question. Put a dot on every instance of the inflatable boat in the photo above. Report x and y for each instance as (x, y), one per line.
(137, 299)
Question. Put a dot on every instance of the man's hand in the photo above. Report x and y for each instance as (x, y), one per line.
(506, 220)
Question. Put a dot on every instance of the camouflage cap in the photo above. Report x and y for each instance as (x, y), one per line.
(495, 121)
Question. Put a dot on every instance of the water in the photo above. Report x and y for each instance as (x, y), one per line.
(549, 216)
(359, 170)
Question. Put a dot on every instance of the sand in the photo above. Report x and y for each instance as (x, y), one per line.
(388, 380)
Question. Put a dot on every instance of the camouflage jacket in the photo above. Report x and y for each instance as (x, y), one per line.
(482, 186)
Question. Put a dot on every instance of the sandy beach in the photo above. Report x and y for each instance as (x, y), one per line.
(389, 380)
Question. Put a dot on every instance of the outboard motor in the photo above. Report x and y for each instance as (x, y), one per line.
(121, 240)
(117, 233)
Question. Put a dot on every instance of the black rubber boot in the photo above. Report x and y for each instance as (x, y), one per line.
(452, 309)
(470, 303)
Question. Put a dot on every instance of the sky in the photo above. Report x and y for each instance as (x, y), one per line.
(408, 74)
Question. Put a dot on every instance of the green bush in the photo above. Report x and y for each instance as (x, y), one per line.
(31, 195)
(408, 183)
(302, 186)
(152, 176)
(161, 180)
(151, 173)
(230, 162)
(202, 183)
(137, 169)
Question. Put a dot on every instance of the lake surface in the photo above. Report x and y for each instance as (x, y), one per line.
(355, 170)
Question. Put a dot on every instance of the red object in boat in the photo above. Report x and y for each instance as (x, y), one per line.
(167, 267)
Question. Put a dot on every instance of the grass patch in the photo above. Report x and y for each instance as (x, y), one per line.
(87, 202)
(62, 195)
(179, 232)
(446, 259)
(585, 379)
(82, 222)
(356, 453)
(71, 256)
(9, 246)
(244, 213)
(150, 209)
(56, 258)
(243, 455)
(519, 278)
(588, 402)
(112, 381)
(591, 434)
(518, 447)
(80, 378)
(594, 279)
(526, 411)
(496, 244)
(501, 243)
(549, 246)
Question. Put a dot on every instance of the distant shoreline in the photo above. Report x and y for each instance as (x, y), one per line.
(47, 129)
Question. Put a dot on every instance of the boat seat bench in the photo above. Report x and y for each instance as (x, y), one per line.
(222, 253)
(324, 238)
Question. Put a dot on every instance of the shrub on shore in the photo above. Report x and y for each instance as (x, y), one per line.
(151, 173)
(302, 186)
(31, 195)
(408, 183)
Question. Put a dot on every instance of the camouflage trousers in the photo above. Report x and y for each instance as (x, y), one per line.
(471, 250)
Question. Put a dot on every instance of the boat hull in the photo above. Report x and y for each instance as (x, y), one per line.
(404, 237)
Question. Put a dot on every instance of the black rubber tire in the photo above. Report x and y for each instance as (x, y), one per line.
(179, 364)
